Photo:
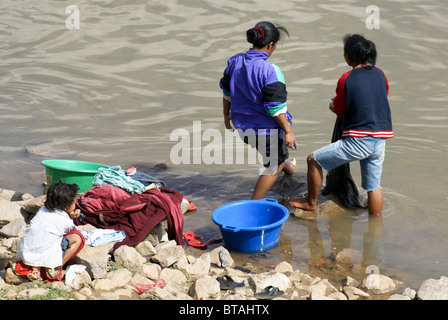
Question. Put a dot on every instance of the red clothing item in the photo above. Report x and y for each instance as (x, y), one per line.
(136, 215)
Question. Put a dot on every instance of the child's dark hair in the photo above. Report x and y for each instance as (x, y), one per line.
(359, 49)
(60, 196)
(264, 33)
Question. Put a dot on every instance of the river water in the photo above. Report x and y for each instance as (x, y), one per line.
(115, 89)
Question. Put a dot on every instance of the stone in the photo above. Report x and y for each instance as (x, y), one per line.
(12, 278)
(379, 284)
(205, 288)
(146, 249)
(214, 257)
(33, 205)
(199, 267)
(354, 293)
(411, 293)
(337, 296)
(173, 276)
(284, 267)
(9, 211)
(120, 277)
(151, 271)
(432, 289)
(398, 297)
(165, 244)
(95, 259)
(127, 256)
(103, 284)
(158, 235)
(77, 279)
(349, 256)
(29, 293)
(275, 279)
(168, 256)
(15, 228)
(157, 293)
(349, 281)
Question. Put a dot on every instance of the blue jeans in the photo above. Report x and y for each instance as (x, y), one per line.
(368, 150)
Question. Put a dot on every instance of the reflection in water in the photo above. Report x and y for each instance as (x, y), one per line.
(339, 260)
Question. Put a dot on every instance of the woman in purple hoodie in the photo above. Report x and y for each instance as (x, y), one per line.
(255, 102)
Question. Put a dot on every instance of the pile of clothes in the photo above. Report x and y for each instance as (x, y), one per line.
(132, 202)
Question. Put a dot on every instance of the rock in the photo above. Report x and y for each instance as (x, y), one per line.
(398, 297)
(157, 235)
(146, 249)
(77, 277)
(379, 284)
(205, 288)
(432, 289)
(12, 278)
(349, 256)
(157, 293)
(337, 296)
(411, 293)
(103, 284)
(165, 244)
(274, 279)
(349, 281)
(15, 228)
(214, 257)
(9, 211)
(29, 293)
(355, 293)
(173, 276)
(114, 279)
(151, 271)
(284, 267)
(167, 256)
(322, 290)
(199, 267)
(95, 259)
(128, 257)
(33, 205)
(120, 277)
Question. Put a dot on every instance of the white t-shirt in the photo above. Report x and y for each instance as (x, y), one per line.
(41, 244)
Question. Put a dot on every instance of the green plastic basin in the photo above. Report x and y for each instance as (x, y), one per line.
(72, 171)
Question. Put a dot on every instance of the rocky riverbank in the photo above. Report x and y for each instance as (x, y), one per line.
(174, 272)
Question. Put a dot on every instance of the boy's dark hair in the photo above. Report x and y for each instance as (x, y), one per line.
(359, 49)
(60, 196)
(264, 33)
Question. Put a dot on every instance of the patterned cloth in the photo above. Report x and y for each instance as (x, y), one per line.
(102, 236)
(36, 273)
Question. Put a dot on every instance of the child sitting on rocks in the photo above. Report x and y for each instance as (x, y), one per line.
(51, 239)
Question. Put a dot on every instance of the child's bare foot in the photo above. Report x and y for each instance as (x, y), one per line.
(289, 166)
(302, 203)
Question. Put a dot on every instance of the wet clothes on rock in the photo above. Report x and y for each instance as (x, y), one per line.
(136, 214)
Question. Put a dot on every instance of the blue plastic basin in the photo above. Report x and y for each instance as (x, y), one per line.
(251, 225)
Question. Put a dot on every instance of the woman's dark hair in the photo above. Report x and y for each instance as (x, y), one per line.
(359, 49)
(60, 196)
(264, 33)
